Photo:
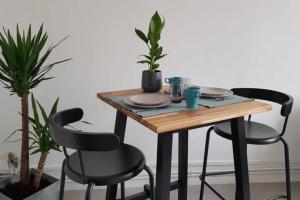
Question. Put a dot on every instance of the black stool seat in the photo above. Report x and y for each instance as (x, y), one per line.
(99, 159)
(106, 167)
(256, 133)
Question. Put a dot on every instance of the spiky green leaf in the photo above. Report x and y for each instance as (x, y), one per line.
(22, 62)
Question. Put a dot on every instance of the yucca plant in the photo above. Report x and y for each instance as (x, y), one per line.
(22, 68)
(41, 140)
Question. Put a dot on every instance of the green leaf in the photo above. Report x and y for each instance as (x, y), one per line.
(158, 52)
(28, 41)
(54, 108)
(155, 25)
(47, 68)
(148, 57)
(35, 138)
(35, 113)
(159, 57)
(33, 147)
(155, 66)
(3, 65)
(10, 135)
(42, 111)
(13, 141)
(21, 48)
(144, 61)
(4, 78)
(154, 50)
(36, 151)
(141, 35)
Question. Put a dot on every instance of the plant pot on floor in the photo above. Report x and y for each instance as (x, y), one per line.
(151, 81)
(49, 190)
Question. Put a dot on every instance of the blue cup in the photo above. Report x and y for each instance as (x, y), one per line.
(176, 80)
(192, 96)
(179, 80)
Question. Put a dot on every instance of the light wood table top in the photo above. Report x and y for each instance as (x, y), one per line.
(176, 121)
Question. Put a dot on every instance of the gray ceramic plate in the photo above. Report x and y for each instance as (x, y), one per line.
(129, 102)
(211, 92)
(149, 99)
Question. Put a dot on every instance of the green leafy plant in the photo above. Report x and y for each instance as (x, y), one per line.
(151, 39)
(22, 68)
(41, 140)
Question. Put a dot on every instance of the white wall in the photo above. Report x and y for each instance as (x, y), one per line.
(230, 43)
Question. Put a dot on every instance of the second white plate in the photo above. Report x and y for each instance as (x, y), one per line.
(211, 92)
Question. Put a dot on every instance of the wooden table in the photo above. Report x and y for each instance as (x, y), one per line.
(181, 122)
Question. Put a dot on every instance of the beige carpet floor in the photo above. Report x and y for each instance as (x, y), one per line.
(260, 191)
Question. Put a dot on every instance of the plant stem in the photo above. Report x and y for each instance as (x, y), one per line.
(24, 172)
(39, 171)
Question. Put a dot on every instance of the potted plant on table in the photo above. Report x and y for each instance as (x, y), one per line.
(22, 68)
(152, 78)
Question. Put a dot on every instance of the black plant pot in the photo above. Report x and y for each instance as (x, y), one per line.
(151, 81)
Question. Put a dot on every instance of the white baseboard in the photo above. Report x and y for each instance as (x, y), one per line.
(260, 172)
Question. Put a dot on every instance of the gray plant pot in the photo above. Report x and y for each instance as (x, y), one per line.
(50, 192)
(151, 81)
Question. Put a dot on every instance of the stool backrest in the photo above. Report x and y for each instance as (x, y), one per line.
(285, 100)
(79, 140)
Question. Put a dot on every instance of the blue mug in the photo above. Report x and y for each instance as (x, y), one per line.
(176, 80)
(179, 80)
(192, 96)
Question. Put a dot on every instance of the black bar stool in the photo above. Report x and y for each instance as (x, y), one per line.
(99, 158)
(256, 134)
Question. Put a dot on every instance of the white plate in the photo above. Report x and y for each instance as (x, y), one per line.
(216, 96)
(211, 92)
(129, 102)
(149, 99)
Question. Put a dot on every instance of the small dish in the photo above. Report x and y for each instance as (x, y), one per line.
(149, 99)
(211, 92)
(129, 102)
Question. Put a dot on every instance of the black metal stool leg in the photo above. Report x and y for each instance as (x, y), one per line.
(122, 191)
(205, 162)
(62, 181)
(287, 169)
(88, 192)
(151, 181)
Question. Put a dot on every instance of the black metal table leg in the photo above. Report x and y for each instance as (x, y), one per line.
(163, 166)
(182, 164)
(120, 127)
(240, 159)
